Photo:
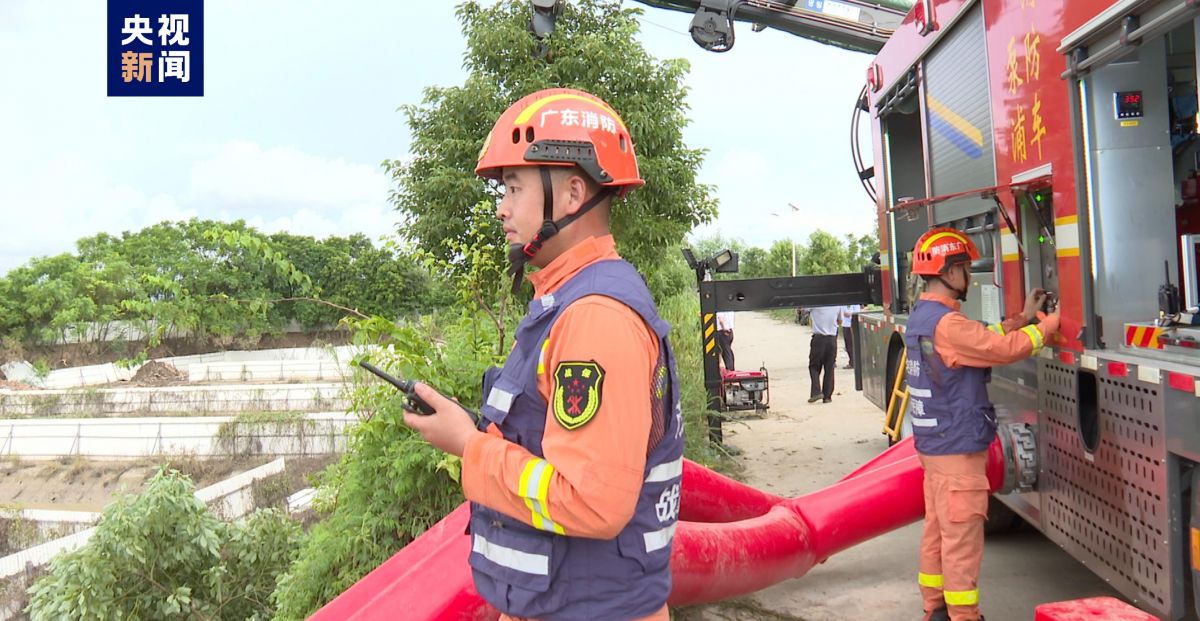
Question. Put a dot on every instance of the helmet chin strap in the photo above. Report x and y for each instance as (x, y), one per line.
(520, 254)
(959, 294)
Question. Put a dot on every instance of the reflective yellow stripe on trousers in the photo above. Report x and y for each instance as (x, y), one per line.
(933, 581)
(962, 598)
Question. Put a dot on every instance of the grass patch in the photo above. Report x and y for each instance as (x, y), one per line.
(246, 433)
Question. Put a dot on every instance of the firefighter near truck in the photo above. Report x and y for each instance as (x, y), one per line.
(1062, 138)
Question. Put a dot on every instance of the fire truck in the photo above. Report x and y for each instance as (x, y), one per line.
(1062, 137)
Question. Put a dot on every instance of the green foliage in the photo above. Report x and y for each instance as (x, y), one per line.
(824, 254)
(210, 280)
(163, 555)
(351, 272)
(682, 311)
(41, 368)
(861, 249)
(390, 485)
(16, 533)
(778, 259)
(594, 48)
(754, 263)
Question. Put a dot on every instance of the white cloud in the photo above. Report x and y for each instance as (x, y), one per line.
(243, 172)
(283, 189)
(274, 189)
(774, 114)
(59, 201)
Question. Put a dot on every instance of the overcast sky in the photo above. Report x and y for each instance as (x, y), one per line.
(300, 109)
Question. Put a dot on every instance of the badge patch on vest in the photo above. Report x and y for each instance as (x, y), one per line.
(577, 392)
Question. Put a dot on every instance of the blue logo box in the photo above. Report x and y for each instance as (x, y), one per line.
(155, 48)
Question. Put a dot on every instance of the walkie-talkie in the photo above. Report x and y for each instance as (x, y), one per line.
(416, 405)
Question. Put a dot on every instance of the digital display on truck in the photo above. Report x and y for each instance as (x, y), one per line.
(1128, 104)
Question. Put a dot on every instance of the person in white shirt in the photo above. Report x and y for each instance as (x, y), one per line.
(725, 338)
(822, 352)
(844, 319)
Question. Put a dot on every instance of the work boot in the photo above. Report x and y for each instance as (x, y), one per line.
(937, 614)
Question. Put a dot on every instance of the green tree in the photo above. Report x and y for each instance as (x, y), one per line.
(162, 555)
(211, 280)
(824, 254)
(754, 263)
(351, 272)
(594, 48)
(861, 249)
(778, 260)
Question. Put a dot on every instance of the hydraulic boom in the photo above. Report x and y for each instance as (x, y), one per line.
(857, 25)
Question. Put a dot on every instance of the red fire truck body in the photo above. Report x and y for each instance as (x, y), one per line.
(1062, 137)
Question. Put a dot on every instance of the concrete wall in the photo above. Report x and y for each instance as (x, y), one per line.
(51, 524)
(301, 500)
(294, 364)
(130, 331)
(201, 436)
(269, 371)
(172, 399)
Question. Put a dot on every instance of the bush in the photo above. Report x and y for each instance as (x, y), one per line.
(163, 555)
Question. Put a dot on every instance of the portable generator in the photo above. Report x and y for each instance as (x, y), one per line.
(744, 390)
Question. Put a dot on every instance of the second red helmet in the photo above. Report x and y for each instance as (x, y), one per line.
(941, 247)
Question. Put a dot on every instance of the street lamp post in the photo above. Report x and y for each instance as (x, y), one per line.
(795, 210)
(792, 240)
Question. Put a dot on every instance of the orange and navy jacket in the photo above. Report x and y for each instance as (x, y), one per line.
(962, 342)
(593, 474)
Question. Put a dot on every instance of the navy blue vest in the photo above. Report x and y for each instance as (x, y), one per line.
(537, 572)
(949, 408)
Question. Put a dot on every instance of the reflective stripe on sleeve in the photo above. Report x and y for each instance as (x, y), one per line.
(659, 539)
(1035, 337)
(500, 399)
(962, 598)
(665, 472)
(997, 328)
(542, 357)
(933, 581)
(534, 487)
(535, 564)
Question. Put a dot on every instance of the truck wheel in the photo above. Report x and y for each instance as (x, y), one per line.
(1000, 519)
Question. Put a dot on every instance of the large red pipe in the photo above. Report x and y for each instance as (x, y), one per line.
(732, 540)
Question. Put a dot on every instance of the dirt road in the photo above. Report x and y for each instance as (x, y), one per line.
(801, 447)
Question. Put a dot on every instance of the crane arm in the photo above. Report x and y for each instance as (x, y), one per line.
(858, 25)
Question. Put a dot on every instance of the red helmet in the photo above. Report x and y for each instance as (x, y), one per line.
(562, 127)
(941, 247)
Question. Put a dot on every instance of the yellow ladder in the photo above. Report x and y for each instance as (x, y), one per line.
(893, 421)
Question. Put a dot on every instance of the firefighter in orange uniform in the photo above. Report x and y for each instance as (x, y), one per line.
(574, 471)
(949, 365)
